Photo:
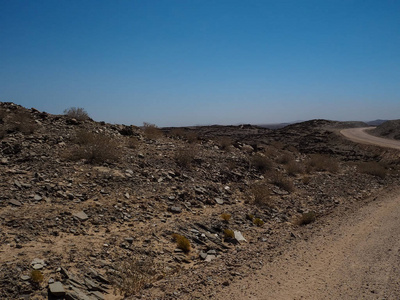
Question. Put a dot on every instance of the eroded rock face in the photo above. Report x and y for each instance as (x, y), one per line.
(88, 224)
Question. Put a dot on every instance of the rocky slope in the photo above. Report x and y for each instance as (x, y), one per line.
(90, 208)
(389, 129)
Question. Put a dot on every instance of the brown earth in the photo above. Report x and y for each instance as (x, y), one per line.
(97, 204)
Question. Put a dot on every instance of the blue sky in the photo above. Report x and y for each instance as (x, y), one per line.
(189, 62)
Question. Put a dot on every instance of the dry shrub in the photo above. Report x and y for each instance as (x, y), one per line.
(177, 133)
(132, 142)
(278, 145)
(226, 217)
(229, 234)
(225, 143)
(77, 113)
(95, 148)
(20, 121)
(319, 162)
(182, 242)
(36, 278)
(261, 163)
(151, 131)
(133, 275)
(306, 218)
(260, 194)
(2, 132)
(280, 181)
(191, 137)
(306, 179)
(285, 159)
(184, 157)
(373, 168)
(293, 168)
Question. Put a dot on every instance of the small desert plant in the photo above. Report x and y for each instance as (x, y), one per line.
(226, 217)
(229, 234)
(250, 217)
(22, 122)
(258, 222)
(280, 181)
(151, 131)
(225, 143)
(285, 158)
(293, 168)
(191, 137)
(182, 242)
(319, 162)
(132, 275)
(36, 277)
(261, 163)
(95, 148)
(372, 168)
(184, 157)
(177, 132)
(132, 142)
(306, 179)
(306, 218)
(77, 113)
(260, 194)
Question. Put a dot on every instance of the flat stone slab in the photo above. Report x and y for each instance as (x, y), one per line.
(57, 289)
(81, 216)
(239, 237)
(15, 202)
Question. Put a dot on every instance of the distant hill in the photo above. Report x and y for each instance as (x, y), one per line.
(376, 122)
(389, 129)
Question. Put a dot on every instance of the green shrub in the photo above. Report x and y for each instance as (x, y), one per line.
(77, 113)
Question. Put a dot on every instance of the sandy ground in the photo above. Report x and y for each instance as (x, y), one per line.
(356, 256)
(360, 135)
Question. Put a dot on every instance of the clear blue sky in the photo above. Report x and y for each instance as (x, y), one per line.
(190, 62)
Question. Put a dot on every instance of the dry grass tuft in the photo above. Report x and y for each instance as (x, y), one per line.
(182, 242)
(306, 218)
(229, 234)
(133, 275)
(258, 222)
(226, 217)
(225, 143)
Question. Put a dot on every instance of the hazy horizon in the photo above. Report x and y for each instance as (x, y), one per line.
(183, 63)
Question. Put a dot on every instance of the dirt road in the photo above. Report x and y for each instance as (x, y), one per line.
(360, 135)
(355, 256)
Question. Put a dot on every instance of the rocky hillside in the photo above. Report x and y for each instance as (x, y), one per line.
(389, 129)
(93, 210)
